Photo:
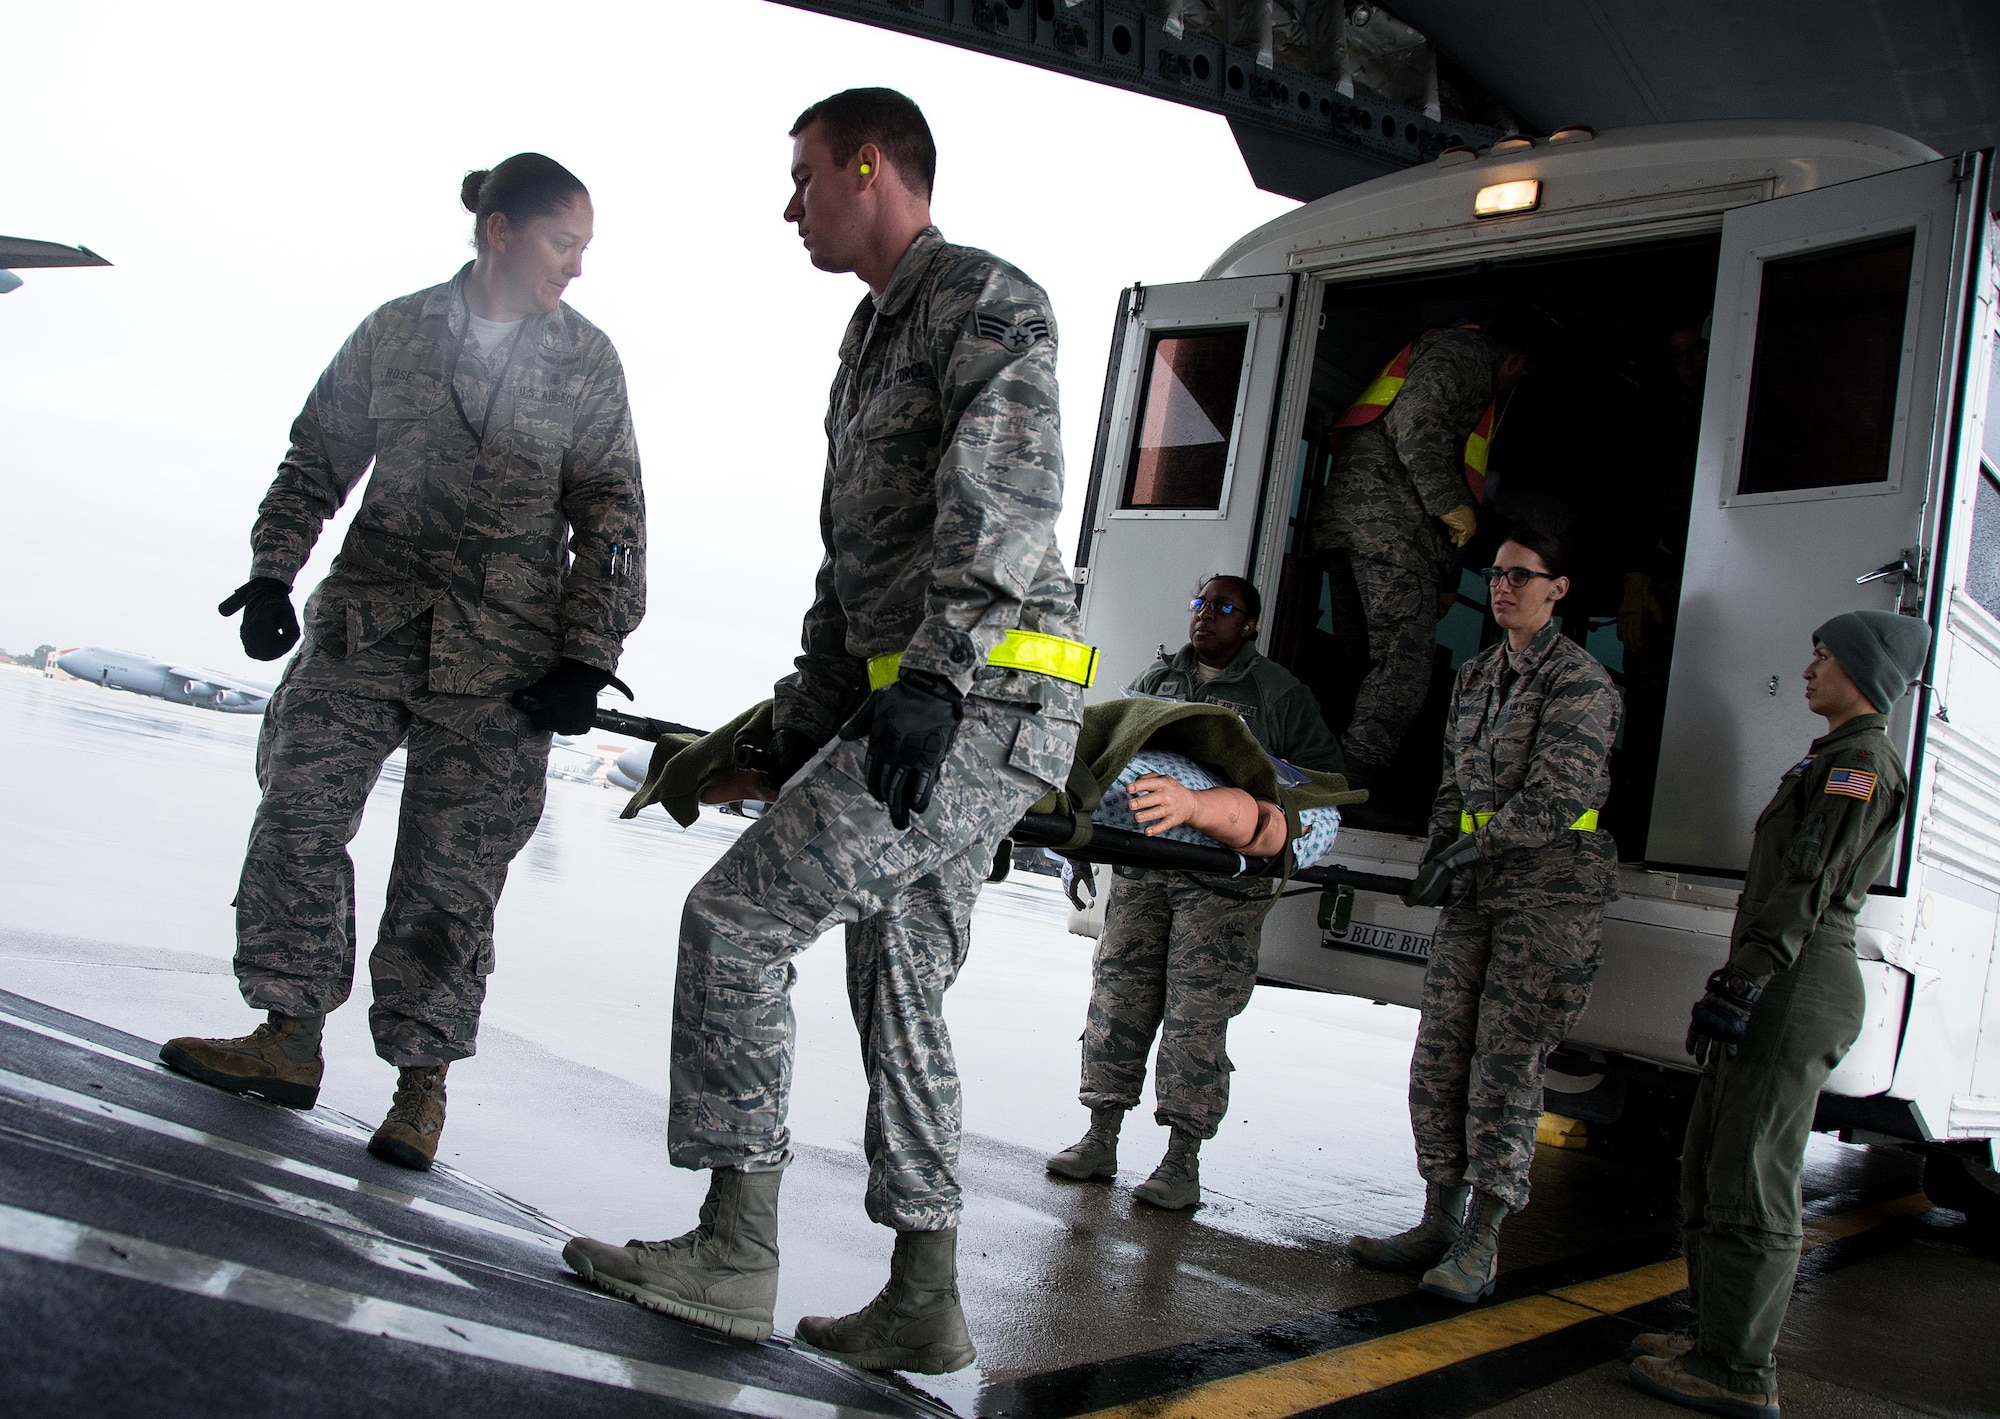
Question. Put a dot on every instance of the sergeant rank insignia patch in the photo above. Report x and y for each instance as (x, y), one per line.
(1016, 337)
(1855, 783)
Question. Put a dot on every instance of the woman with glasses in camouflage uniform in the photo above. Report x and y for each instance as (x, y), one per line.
(1524, 874)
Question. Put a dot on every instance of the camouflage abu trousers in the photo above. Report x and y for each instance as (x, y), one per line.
(1179, 960)
(1505, 985)
(1400, 607)
(826, 852)
(472, 794)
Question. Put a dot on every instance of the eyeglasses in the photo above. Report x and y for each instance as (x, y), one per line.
(1220, 608)
(1516, 577)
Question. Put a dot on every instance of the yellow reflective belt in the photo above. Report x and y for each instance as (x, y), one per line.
(1021, 650)
(1473, 822)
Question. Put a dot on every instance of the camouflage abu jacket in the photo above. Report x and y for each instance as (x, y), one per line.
(944, 476)
(1824, 838)
(1394, 478)
(473, 531)
(1532, 747)
(1273, 705)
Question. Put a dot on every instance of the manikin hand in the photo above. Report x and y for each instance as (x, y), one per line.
(743, 786)
(1229, 815)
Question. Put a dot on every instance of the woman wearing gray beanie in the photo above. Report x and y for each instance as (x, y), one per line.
(1779, 1016)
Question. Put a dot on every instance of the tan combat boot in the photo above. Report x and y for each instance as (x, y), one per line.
(1424, 1244)
(1176, 1183)
(409, 1136)
(914, 1323)
(1672, 1381)
(1095, 1155)
(1662, 1344)
(1471, 1268)
(726, 1281)
(280, 1060)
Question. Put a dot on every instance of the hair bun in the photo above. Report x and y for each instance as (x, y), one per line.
(468, 191)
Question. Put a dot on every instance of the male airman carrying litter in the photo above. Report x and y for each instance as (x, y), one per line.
(1178, 957)
(940, 635)
(1399, 506)
(479, 603)
(1779, 1016)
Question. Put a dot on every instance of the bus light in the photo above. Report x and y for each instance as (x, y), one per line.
(1505, 197)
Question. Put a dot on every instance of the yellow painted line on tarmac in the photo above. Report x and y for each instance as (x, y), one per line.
(1608, 1295)
(1296, 1386)
(1864, 1219)
(1334, 1375)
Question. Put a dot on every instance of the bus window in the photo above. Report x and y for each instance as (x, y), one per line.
(1982, 572)
(1824, 375)
(1181, 457)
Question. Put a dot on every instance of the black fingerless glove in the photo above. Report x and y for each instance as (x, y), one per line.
(910, 726)
(564, 701)
(1722, 1016)
(270, 627)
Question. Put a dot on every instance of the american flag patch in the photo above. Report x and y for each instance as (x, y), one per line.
(1855, 783)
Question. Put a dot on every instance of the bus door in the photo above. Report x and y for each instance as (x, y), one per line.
(1826, 427)
(1178, 474)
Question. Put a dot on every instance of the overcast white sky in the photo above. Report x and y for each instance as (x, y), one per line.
(264, 175)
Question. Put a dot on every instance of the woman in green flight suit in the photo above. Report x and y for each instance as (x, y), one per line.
(1779, 1016)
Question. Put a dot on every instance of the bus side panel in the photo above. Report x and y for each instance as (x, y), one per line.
(1950, 1060)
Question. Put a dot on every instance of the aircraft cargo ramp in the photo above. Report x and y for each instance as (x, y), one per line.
(166, 1248)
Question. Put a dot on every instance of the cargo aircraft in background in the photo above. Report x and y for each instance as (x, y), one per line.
(122, 670)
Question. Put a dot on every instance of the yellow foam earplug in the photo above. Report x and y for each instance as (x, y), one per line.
(865, 169)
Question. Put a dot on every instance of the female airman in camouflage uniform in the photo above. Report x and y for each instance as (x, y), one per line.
(1516, 856)
(479, 602)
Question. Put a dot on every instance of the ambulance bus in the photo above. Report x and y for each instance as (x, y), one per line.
(1841, 280)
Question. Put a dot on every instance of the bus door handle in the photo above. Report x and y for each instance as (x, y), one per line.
(1908, 568)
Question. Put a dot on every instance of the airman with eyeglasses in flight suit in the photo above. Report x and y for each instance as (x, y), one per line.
(1178, 958)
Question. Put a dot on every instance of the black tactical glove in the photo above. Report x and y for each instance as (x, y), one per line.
(777, 761)
(1434, 874)
(910, 726)
(270, 627)
(1721, 1016)
(564, 701)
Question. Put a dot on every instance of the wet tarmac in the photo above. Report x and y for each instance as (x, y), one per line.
(117, 861)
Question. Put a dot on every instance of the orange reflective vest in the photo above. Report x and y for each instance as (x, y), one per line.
(1380, 394)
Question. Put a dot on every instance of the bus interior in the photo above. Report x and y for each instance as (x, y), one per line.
(1597, 444)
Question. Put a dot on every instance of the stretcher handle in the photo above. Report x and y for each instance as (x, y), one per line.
(640, 727)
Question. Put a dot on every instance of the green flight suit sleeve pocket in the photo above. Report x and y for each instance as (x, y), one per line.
(1807, 858)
